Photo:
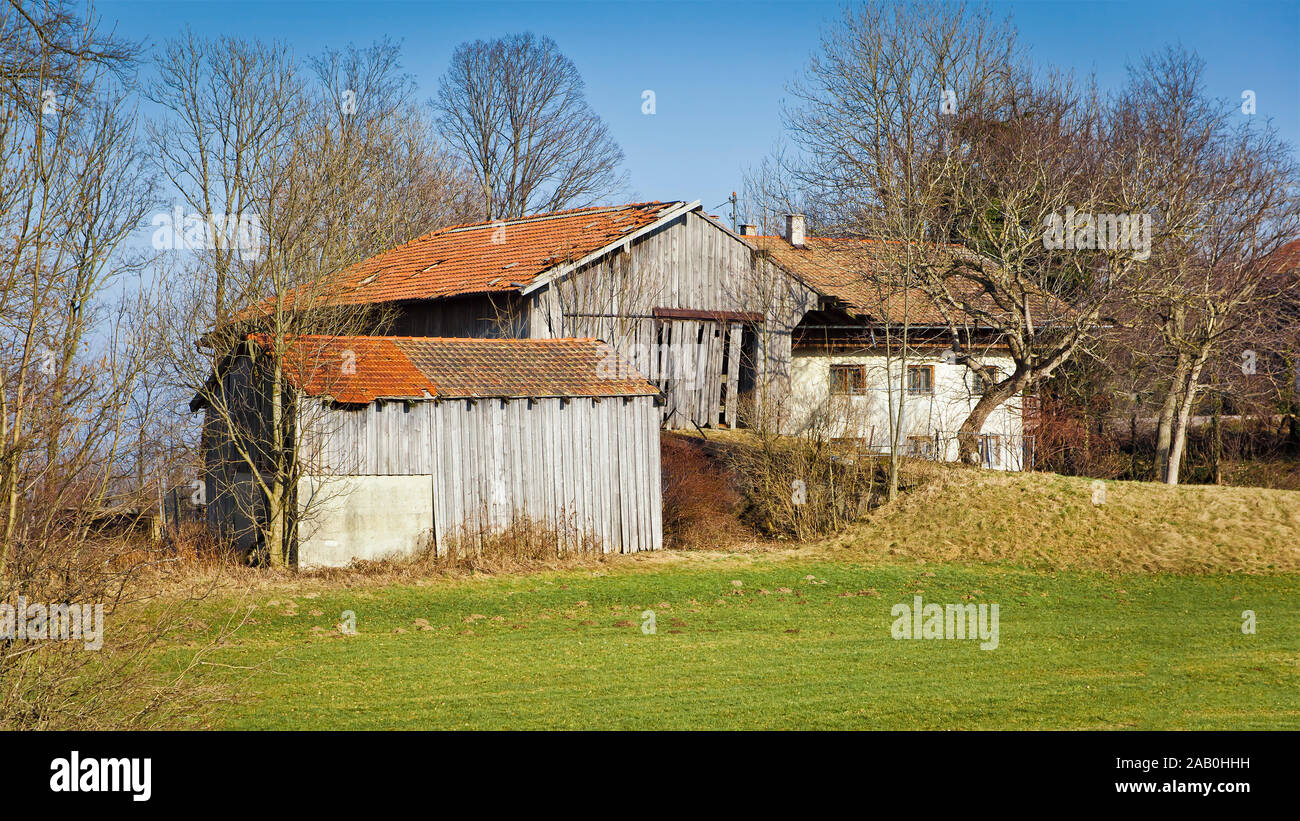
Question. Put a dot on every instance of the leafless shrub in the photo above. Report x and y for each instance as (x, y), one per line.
(73, 367)
(700, 500)
(50, 684)
(809, 484)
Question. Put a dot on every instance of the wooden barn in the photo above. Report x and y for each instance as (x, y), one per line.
(403, 439)
(687, 301)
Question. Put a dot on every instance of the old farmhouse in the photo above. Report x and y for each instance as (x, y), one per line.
(848, 356)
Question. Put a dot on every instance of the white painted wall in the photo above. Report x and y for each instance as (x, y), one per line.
(867, 416)
(362, 517)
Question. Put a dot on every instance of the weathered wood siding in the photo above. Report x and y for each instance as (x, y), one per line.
(239, 425)
(688, 263)
(467, 316)
(380, 439)
(588, 466)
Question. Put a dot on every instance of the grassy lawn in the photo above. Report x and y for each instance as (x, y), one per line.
(800, 643)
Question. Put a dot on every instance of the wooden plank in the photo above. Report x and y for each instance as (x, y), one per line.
(626, 481)
(570, 466)
(706, 315)
(456, 488)
(638, 422)
(651, 440)
(586, 466)
(733, 372)
(607, 482)
(439, 468)
(495, 455)
(637, 489)
(551, 485)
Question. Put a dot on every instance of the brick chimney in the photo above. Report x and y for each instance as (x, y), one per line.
(796, 229)
(748, 230)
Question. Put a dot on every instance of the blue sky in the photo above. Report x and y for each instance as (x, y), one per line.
(719, 69)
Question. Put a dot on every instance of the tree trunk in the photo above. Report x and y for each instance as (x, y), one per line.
(896, 427)
(994, 396)
(1185, 403)
(1165, 430)
(1132, 446)
(275, 509)
(1216, 451)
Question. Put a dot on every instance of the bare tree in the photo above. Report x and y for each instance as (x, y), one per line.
(71, 194)
(1226, 195)
(72, 188)
(514, 110)
(403, 181)
(316, 170)
(874, 117)
(239, 145)
(1049, 221)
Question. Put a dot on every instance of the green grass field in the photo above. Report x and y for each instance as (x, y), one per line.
(1122, 615)
(781, 650)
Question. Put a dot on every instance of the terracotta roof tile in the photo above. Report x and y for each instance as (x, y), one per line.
(1285, 259)
(350, 369)
(493, 256)
(843, 268)
(360, 369)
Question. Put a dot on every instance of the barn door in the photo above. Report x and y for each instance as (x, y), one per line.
(740, 352)
(747, 372)
(705, 369)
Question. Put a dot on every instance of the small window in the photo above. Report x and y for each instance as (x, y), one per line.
(921, 447)
(849, 379)
(983, 378)
(920, 379)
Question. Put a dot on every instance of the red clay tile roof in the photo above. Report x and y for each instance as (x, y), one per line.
(842, 268)
(1285, 259)
(351, 369)
(489, 257)
(360, 369)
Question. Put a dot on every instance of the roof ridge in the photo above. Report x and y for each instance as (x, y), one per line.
(520, 339)
(541, 216)
(546, 216)
(812, 237)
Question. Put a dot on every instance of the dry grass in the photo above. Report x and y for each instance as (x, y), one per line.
(1047, 521)
(525, 545)
(798, 488)
(948, 513)
(148, 592)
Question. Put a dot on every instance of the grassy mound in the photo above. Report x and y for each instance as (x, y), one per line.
(1046, 521)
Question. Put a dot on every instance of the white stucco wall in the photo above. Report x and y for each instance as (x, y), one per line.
(867, 416)
(362, 517)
